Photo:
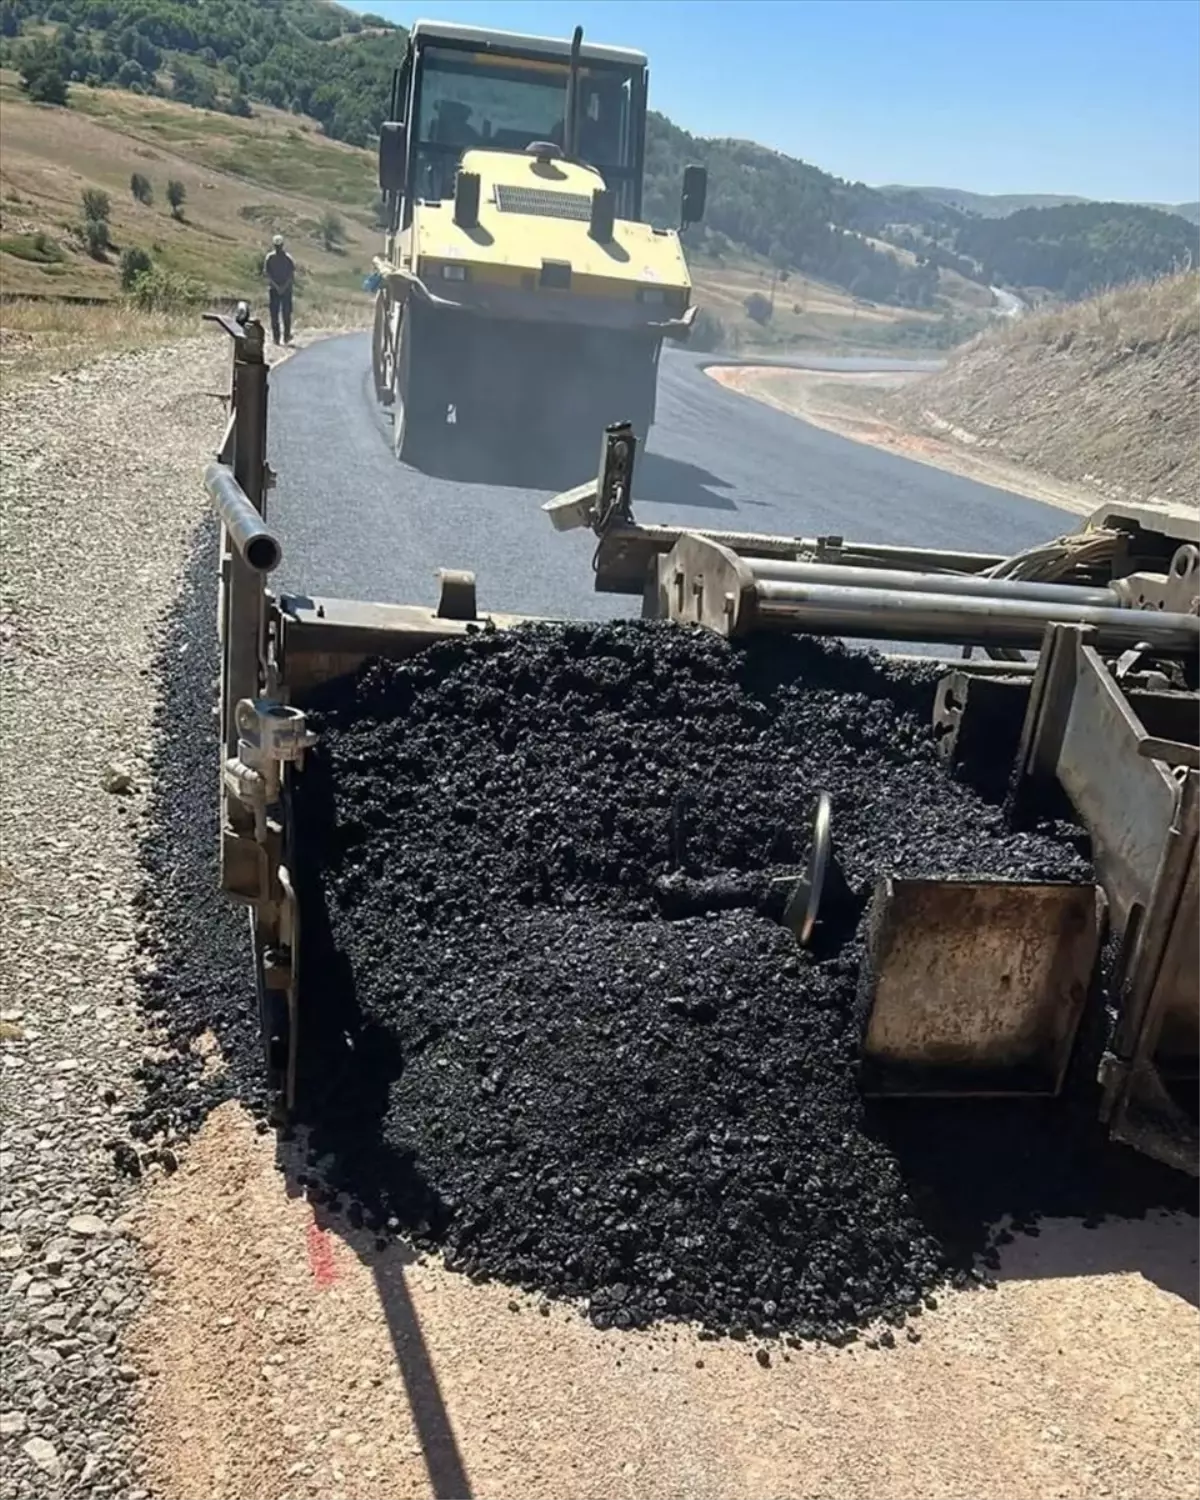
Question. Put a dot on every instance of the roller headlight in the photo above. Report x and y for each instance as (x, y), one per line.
(447, 270)
(670, 299)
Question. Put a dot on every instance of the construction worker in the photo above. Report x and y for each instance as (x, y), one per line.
(280, 270)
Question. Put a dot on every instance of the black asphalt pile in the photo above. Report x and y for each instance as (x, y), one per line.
(550, 1024)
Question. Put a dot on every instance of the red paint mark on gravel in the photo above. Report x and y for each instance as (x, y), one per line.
(320, 1256)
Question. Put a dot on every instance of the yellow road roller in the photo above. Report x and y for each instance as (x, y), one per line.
(522, 298)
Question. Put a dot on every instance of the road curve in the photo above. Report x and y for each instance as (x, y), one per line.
(1008, 304)
(356, 523)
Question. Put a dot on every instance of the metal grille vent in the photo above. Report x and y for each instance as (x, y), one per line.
(542, 202)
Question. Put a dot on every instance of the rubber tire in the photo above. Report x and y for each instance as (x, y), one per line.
(418, 437)
(384, 388)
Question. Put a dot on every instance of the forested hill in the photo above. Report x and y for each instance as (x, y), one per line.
(800, 217)
(334, 65)
(304, 55)
(1080, 248)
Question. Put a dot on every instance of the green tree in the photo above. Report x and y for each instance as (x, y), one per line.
(183, 83)
(95, 234)
(135, 262)
(176, 197)
(139, 187)
(759, 308)
(96, 204)
(708, 332)
(331, 229)
(43, 69)
(193, 88)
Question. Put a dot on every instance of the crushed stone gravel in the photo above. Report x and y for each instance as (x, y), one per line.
(95, 525)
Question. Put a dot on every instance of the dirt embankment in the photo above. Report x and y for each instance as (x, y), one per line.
(1094, 401)
(858, 406)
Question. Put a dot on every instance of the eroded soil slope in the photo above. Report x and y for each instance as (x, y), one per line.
(1104, 392)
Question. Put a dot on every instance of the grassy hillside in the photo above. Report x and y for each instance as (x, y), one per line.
(1103, 391)
(811, 314)
(244, 181)
(220, 53)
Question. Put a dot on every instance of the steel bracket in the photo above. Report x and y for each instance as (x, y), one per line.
(1084, 733)
(456, 595)
(975, 986)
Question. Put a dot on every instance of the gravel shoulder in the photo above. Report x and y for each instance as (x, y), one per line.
(98, 496)
(287, 1356)
(853, 406)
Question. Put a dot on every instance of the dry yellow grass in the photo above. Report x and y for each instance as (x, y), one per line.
(39, 337)
(44, 337)
(245, 179)
(51, 155)
(1137, 317)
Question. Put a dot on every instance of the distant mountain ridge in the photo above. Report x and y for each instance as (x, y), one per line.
(1000, 205)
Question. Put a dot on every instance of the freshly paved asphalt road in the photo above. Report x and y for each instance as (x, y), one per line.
(355, 523)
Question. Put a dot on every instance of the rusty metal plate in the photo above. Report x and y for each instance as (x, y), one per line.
(975, 987)
(320, 639)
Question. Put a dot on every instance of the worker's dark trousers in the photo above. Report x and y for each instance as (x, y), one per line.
(281, 310)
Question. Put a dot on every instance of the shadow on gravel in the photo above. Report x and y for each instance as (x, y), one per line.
(388, 1262)
(349, 1101)
(1160, 1246)
(1031, 1160)
(447, 1473)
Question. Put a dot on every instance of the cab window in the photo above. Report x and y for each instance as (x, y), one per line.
(502, 104)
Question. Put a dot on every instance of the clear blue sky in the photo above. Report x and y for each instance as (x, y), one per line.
(1095, 97)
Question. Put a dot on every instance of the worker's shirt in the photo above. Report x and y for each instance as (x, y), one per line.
(280, 270)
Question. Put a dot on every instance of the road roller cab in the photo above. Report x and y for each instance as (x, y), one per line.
(520, 289)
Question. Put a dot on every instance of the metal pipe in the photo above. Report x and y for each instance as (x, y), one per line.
(885, 614)
(750, 544)
(975, 666)
(571, 113)
(251, 538)
(963, 585)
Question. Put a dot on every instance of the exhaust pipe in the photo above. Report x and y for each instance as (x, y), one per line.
(603, 216)
(466, 200)
(571, 123)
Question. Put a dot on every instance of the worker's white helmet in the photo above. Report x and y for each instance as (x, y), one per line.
(277, 241)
